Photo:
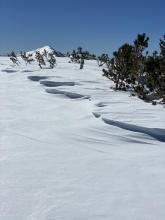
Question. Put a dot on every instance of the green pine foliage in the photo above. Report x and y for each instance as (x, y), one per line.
(132, 69)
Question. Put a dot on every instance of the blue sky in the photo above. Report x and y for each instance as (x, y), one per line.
(96, 25)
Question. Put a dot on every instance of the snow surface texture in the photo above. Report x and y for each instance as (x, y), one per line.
(66, 157)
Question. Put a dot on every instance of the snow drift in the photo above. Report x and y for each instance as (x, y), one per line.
(64, 156)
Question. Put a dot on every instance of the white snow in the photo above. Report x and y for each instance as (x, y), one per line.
(70, 157)
(41, 50)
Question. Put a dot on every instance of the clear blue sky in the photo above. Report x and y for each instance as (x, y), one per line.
(97, 25)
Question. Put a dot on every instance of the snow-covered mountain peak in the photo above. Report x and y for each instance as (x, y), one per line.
(45, 48)
(48, 49)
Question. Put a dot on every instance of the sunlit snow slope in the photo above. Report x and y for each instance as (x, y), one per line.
(71, 148)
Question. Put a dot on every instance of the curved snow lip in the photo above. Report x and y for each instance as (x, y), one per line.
(56, 84)
(37, 78)
(97, 115)
(102, 104)
(9, 71)
(70, 95)
(90, 81)
(27, 71)
(157, 133)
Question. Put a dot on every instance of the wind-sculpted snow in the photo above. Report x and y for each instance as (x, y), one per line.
(27, 71)
(97, 115)
(82, 152)
(157, 133)
(70, 95)
(102, 104)
(9, 71)
(56, 84)
(37, 78)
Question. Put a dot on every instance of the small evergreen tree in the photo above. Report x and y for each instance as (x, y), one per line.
(140, 44)
(40, 59)
(13, 58)
(131, 68)
(162, 67)
(52, 60)
(79, 50)
(120, 67)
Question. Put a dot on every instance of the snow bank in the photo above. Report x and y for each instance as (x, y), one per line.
(59, 159)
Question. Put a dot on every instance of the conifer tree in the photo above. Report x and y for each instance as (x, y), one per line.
(140, 44)
(120, 67)
(162, 67)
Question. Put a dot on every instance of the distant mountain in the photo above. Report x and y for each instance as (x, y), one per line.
(49, 50)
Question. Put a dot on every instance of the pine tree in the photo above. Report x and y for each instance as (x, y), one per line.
(40, 59)
(120, 67)
(13, 58)
(162, 67)
(52, 60)
(140, 44)
(144, 74)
